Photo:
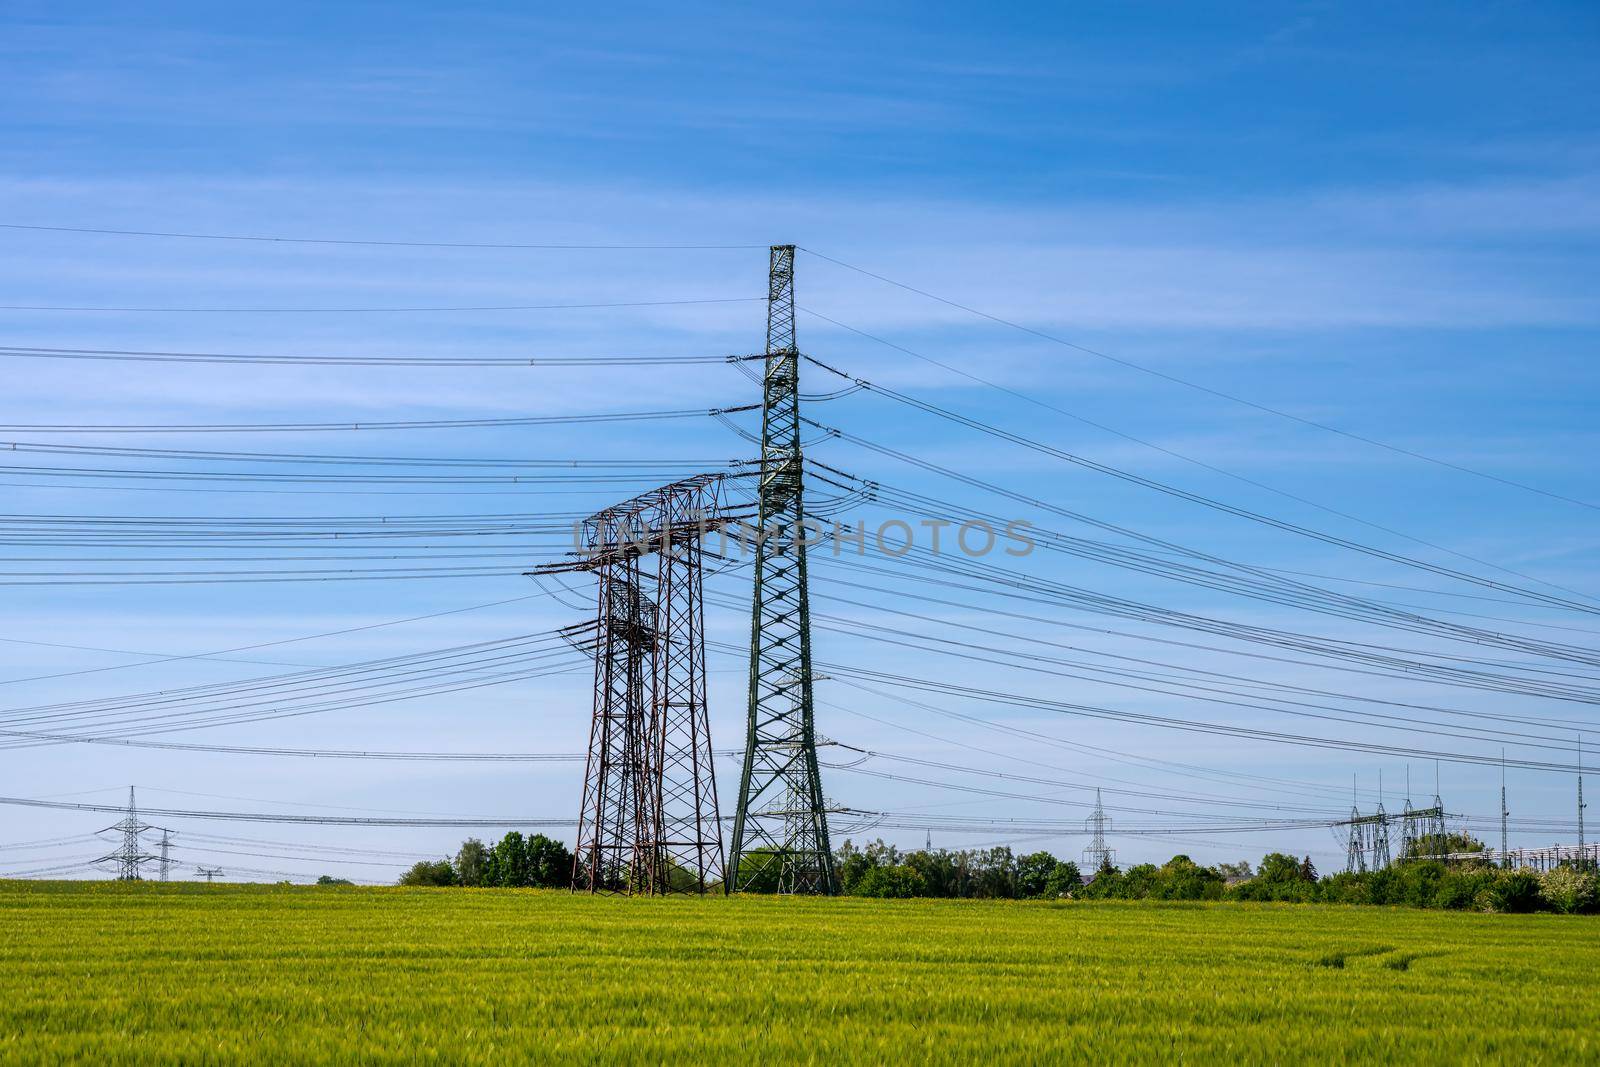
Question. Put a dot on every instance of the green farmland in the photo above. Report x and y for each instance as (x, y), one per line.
(111, 973)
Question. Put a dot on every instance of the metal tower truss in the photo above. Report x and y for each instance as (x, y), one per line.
(1581, 804)
(1098, 854)
(1378, 838)
(1505, 812)
(688, 823)
(1367, 846)
(615, 829)
(130, 855)
(166, 855)
(1422, 829)
(780, 829)
(649, 821)
(1430, 831)
(1356, 843)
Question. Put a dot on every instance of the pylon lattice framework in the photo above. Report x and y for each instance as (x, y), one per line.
(780, 829)
(130, 854)
(1098, 854)
(1423, 831)
(649, 821)
(1422, 836)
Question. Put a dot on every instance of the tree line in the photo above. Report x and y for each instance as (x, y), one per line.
(513, 862)
(879, 869)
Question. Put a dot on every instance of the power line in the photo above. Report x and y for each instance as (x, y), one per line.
(48, 842)
(317, 458)
(137, 356)
(1158, 684)
(1294, 594)
(1175, 492)
(1270, 590)
(309, 753)
(377, 310)
(407, 424)
(474, 655)
(609, 477)
(165, 658)
(1032, 738)
(1381, 661)
(1151, 561)
(258, 238)
(213, 851)
(84, 864)
(1165, 450)
(300, 804)
(300, 846)
(269, 817)
(378, 682)
(990, 773)
(992, 697)
(1176, 674)
(1175, 379)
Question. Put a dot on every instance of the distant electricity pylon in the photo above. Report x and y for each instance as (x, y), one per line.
(1378, 833)
(1356, 843)
(1098, 854)
(1581, 804)
(208, 873)
(1422, 830)
(780, 828)
(1410, 829)
(1433, 826)
(130, 854)
(166, 858)
(1505, 814)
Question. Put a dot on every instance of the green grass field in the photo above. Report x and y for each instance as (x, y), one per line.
(115, 973)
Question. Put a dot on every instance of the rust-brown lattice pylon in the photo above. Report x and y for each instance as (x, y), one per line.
(649, 821)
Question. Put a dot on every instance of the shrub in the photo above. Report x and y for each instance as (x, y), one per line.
(1416, 883)
(1280, 877)
(1569, 891)
(1138, 882)
(1064, 881)
(851, 864)
(1107, 884)
(1346, 888)
(899, 882)
(943, 873)
(1283, 892)
(1033, 874)
(424, 872)
(1512, 891)
(1181, 878)
(1460, 890)
(549, 864)
(1277, 868)
(1383, 887)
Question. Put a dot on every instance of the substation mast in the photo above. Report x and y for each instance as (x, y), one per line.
(780, 828)
(1581, 804)
(1505, 813)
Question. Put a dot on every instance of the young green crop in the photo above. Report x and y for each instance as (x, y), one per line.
(114, 973)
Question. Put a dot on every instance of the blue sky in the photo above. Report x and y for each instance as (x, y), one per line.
(1381, 219)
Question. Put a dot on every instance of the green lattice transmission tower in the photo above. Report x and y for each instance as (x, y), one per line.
(780, 830)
